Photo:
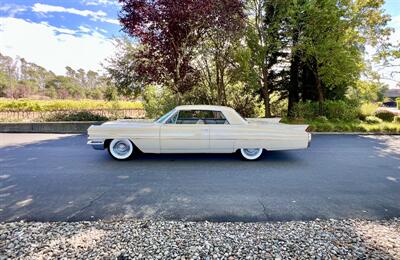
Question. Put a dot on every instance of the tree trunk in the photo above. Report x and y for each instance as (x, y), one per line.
(265, 94)
(267, 104)
(294, 76)
(294, 84)
(320, 95)
(218, 80)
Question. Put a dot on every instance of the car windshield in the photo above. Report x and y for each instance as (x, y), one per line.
(162, 118)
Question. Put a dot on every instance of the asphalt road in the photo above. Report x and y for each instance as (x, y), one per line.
(58, 177)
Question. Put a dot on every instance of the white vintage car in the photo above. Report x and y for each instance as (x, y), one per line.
(197, 129)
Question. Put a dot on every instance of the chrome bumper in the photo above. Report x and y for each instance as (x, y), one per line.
(96, 144)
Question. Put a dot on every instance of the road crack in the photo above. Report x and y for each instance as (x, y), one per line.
(91, 202)
(264, 208)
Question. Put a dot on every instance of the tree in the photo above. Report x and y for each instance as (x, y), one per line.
(9, 67)
(65, 87)
(92, 79)
(170, 31)
(328, 41)
(215, 56)
(327, 54)
(266, 40)
(122, 68)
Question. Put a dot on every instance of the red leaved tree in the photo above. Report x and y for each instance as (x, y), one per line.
(169, 32)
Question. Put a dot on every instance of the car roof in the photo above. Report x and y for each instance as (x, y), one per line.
(202, 107)
(231, 115)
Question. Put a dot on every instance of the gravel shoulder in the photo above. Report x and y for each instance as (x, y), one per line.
(155, 239)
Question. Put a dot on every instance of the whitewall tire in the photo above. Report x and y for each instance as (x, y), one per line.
(121, 149)
(251, 154)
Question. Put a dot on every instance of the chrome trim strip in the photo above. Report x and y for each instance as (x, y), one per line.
(96, 144)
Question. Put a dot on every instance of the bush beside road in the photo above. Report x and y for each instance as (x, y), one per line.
(340, 116)
(320, 125)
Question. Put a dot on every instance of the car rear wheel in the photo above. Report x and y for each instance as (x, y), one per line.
(251, 153)
(121, 149)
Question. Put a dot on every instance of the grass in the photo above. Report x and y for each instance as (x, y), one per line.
(58, 105)
(341, 126)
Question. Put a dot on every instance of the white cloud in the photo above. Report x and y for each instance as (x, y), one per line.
(109, 20)
(43, 8)
(84, 29)
(52, 47)
(12, 9)
(100, 2)
(98, 15)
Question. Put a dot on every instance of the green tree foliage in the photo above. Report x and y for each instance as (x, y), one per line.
(367, 91)
(158, 101)
(266, 47)
(294, 51)
(122, 68)
(20, 79)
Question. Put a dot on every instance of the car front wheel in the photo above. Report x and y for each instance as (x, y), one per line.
(251, 154)
(121, 149)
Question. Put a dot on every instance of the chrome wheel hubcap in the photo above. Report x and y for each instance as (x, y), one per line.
(251, 152)
(121, 148)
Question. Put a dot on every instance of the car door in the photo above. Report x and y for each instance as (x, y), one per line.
(222, 133)
(185, 132)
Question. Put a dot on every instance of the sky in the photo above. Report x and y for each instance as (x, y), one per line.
(55, 34)
(78, 33)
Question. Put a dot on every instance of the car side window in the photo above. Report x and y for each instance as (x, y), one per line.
(215, 118)
(172, 119)
(189, 117)
(200, 117)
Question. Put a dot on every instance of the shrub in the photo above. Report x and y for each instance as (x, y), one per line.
(332, 110)
(322, 119)
(77, 116)
(373, 120)
(386, 116)
(398, 103)
(346, 111)
(396, 119)
(305, 110)
(367, 109)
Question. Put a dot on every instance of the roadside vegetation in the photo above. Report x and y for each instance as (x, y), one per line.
(264, 58)
(60, 105)
(340, 116)
(25, 110)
